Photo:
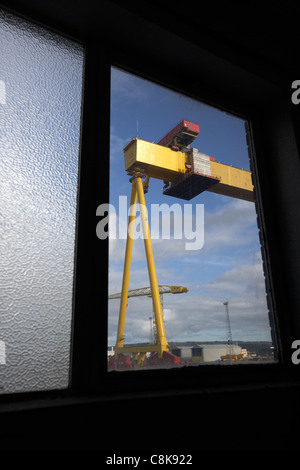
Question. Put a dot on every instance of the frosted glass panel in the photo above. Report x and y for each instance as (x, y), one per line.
(40, 106)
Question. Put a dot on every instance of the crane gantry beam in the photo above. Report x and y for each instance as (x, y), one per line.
(189, 173)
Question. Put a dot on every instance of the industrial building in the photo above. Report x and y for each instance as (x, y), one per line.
(199, 353)
(206, 352)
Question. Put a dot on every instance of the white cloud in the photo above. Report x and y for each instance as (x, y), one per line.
(199, 314)
(247, 279)
(232, 225)
(116, 250)
(117, 145)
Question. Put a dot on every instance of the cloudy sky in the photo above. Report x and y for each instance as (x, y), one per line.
(228, 266)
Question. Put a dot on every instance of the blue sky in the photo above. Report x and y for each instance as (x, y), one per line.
(228, 267)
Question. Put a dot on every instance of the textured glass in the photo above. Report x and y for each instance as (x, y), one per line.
(40, 107)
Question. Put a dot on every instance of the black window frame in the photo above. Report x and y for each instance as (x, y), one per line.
(119, 37)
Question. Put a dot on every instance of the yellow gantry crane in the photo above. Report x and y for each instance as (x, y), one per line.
(186, 173)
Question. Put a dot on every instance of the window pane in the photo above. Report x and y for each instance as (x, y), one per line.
(203, 225)
(40, 107)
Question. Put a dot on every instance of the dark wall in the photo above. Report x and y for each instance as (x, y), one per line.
(214, 412)
(231, 420)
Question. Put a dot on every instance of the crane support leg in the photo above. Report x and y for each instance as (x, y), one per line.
(126, 270)
(137, 190)
(161, 336)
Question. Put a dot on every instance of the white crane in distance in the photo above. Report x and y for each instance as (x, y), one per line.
(146, 291)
